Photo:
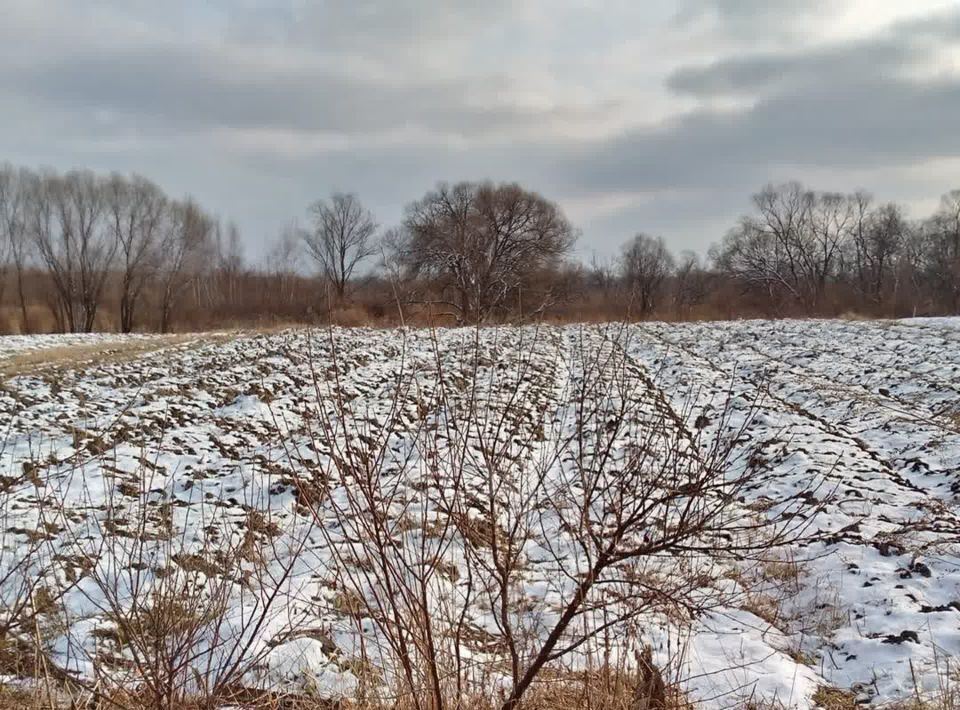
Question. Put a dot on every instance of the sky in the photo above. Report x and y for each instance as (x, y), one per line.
(633, 115)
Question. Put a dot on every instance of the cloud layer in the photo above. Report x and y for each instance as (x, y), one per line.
(657, 116)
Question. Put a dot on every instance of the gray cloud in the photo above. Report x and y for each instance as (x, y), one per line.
(372, 23)
(747, 18)
(905, 45)
(196, 87)
(753, 10)
(637, 118)
(845, 125)
(746, 76)
(942, 25)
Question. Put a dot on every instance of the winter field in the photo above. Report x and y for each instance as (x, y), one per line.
(771, 508)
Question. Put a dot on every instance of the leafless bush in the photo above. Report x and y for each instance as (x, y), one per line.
(160, 606)
(439, 515)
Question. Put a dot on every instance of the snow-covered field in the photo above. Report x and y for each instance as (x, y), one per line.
(113, 473)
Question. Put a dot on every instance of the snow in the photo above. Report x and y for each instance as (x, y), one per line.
(863, 417)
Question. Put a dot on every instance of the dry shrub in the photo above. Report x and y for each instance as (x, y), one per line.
(106, 321)
(426, 645)
(39, 316)
(7, 325)
(41, 319)
(350, 316)
(163, 637)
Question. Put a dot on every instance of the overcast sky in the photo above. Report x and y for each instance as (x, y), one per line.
(635, 115)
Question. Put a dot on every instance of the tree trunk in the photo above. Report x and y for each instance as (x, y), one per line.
(24, 318)
(128, 302)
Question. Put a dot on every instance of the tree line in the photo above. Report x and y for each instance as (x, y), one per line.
(74, 244)
(799, 244)
(82, 252)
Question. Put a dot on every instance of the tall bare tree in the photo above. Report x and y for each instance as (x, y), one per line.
(74, 243)
(783, 227)
(878, 238)
(483, 240)
(645, 265)
(832, 220)
(136, 209)
(14, 245)
(6, 240)
(281, 262)
(792, 248)
(186, 246)
(761, 251)
(943, 252)
(230, 262)
(910, 285)
(690, 283)
(342, 238)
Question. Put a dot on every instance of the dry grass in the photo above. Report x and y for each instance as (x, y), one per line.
(14, 699)
(597, 690)
(351, 316)
(556, 698)
(834, 699)
(601, 691)
(41, 320)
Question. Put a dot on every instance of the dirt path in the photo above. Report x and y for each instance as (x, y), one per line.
(84, 356)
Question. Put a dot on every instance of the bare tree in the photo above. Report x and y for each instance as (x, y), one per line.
(645, 265)
(943, 253)
(483, 240)
(75, 244)
(909, 278)
(878, 238)
(750, 257)
(281, 262)
(601, 275)
(763, 250)
(690, 284)
(793, 247)
(185, 245)
(21, 247)
(6, 240)
(821, 249)
(14, 245)
(137, 209)
(230, 261)
(781, 230)
(342, 238)
(857, 259)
